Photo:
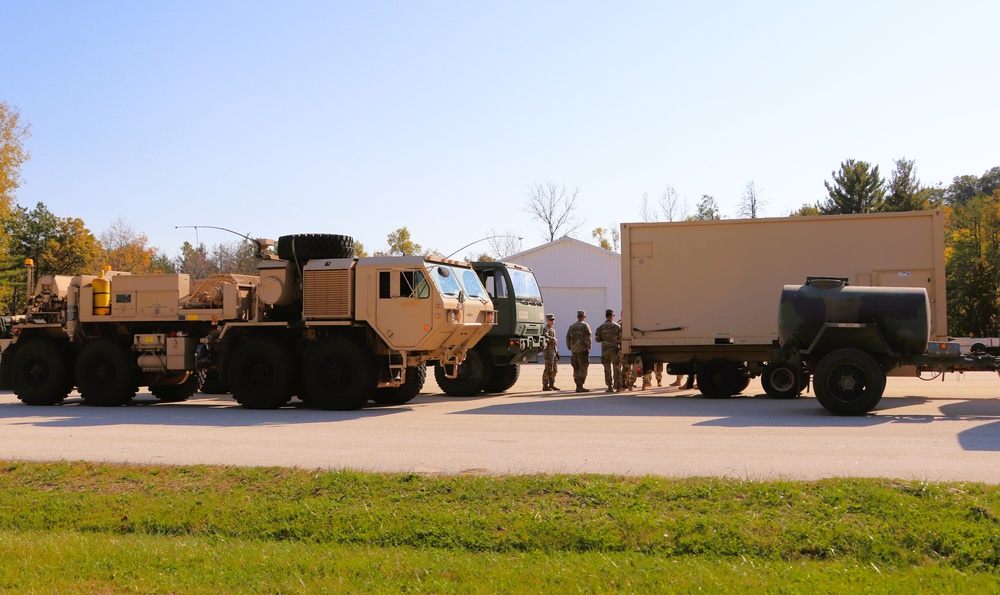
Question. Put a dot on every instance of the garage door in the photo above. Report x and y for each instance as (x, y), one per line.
(565, 301)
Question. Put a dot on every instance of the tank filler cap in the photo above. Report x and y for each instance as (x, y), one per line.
(827, 282)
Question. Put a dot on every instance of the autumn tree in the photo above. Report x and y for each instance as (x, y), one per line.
(401, 244)
(13, 133)
(126, 249)
(235, 257)
(555, 208)
(707, 209)
(194, 261)
(972, 257)
(608, 238)
(359, 249)
(856, 188)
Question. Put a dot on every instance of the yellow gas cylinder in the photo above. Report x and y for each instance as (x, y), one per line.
(102, 295)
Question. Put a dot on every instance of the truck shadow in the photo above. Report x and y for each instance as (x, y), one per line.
(199, 411)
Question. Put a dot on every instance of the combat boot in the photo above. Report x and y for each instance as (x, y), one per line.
(580, 389)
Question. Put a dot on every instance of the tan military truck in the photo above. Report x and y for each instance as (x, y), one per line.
(702, 296)
(316, 322)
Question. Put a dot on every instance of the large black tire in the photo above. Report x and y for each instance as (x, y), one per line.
(260, 373)
(502, 378)
(214, 384)
(720, 378)
(175, 393)
(848, 382)
(307, 246)
(782, 380)
(405, 393)
(338, 374)
(40, 373)
(106, 374)
(473, 375)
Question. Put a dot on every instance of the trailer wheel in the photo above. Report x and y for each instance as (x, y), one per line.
(473, 375)
(719, 378)
(307, 246)
(502, 378)
(175, 393)
(105, 374)
(260, 374)
(848, 382)
(415, 378)
(338, 374)
(40, 373)
(782, 380)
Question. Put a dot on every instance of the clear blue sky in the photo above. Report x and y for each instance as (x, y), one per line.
(362, 117)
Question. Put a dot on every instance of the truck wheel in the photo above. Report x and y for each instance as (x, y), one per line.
(502, 378)
(260, 374)
(307, 246)
(175, 393)
(398, 395)
(214, 384)
(473, 375)
(105, 374)
(719, 378)
(40, 373)
(338, 374)
(782, 380)
(848, 382)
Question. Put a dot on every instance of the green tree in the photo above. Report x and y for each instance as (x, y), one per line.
(904, 190)
(972, 257)
(57, 245)
(235, 257)
(706, 210)
(194, 261)
(806, 211)
(400, 244)
(359, 249)
(856, 188)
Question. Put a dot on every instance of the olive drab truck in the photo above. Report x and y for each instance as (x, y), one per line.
(493, 364)
(316, 322)
(702, 296)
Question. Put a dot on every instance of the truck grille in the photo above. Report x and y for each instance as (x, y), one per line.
(326, 294)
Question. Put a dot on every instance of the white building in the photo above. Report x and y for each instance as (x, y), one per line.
(574, 275)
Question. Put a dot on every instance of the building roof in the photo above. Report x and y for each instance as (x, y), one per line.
(564, 242)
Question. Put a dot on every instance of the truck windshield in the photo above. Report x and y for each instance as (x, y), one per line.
(525, 287)
(445, 280)
(473, 286)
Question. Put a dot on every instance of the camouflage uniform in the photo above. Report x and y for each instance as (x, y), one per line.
(578, 340)
(609, 334)
(551, 356)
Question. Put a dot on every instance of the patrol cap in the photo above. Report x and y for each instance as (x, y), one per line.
(609, 312)
(580, 313)
(550, 317)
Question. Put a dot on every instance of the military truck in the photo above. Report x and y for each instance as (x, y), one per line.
(493, 364)
(850, 338)
(315, 322)
(700, 295)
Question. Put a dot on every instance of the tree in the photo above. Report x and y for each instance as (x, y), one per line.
(751, 205)
(194, 261)
(905, 192)
(503, 244)
(972, 262)
(554, 207)
(57, 245)
(806, 211)
(13, 133)
(125, 249)
(707, 209)
(235, 257)
(856, 188)
(961, 190)
(359, 249)
(608, 238)
(670, 206)
(400, 244)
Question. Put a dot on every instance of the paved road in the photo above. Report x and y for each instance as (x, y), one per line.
(940, 430)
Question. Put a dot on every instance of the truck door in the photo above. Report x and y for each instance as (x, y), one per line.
(404, 307)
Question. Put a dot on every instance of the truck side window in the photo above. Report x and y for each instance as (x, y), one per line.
(495, 285)
(384, 290)
(412, 284)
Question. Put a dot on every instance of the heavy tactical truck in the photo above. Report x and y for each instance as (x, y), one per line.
(700, 295)
(315, 322)
(493, 364)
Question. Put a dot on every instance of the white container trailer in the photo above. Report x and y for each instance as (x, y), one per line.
(702, 296)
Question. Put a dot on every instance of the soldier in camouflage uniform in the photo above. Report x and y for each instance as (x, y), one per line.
(579, 342)
(551, 354)
(609, 335)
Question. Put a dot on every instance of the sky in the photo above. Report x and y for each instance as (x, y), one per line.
(358, 118)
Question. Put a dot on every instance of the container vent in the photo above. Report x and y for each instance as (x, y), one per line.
(326, 294)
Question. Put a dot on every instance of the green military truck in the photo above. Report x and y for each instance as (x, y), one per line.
(493, 364)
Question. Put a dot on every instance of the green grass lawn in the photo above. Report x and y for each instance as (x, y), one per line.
(85, 528)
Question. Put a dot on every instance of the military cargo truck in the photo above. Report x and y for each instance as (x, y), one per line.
(700, 295)
(493, 364)
(316, 322)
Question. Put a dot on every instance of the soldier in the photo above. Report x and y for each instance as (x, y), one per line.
(578, 341)
(551, 354)
(609, 335)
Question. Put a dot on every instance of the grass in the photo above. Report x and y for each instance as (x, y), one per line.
(80, 527)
